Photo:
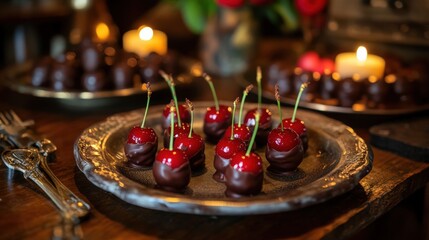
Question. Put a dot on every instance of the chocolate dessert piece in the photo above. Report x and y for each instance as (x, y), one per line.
(279, 72)
(41, 72)
(91, 57)
(141, 154)
(284, 161)
(122, 75)
(216, 122)
(171, 179)
(329, 85)
(241, 184)
(265, 125)
(94, 81)
(377, 91)
(62, 77)
(350, 90)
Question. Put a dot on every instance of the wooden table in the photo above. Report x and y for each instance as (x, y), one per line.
(25, 213)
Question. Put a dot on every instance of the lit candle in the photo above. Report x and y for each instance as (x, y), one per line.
(144, 41)
(362, 63)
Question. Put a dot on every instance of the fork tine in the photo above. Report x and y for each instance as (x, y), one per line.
(15, 117)
(3, 118)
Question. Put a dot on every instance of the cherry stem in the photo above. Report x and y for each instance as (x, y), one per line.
(280, 113)
(209, 81)
(245, 92)
(233, 118)
(170, 83)
(303, 86)
(255, 130)
(149, 92)
(189, 103)
(258, 80)
(170, 147)
(277, 95)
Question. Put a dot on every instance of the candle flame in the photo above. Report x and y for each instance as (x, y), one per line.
(361, 54)
(146, 33)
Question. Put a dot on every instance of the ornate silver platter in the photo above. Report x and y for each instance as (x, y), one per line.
(358, 109)
(17, 78)
(337, 159)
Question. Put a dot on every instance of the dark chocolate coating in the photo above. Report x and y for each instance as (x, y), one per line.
(328, 87)
(62, 77)
(173, 180)
(279, 73)
(91, 57)
(141, 155)
(242, 184)
(214, 131)
(378, 92)
(281, 162)
(198, 161)
(349, 91)
(262, 134)
(304, 140)
(41, 72)
(94, 81)
(122, 75)
(220, 164)
(405, 88)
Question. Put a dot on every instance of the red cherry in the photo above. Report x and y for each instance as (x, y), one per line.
(172, 158)
(283, 141)
(178, 131)
(241, 132)
(249, 119)
(230, 3)
(190, 145)
(309, 61)
(250, 164)
(226, 148)
(310, 7)
(138, 135)
(298, 126)
(224, 114)
(185, 116)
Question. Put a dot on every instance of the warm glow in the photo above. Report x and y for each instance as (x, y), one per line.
(361, 54)
(146, 33)
(102, 31)
(80, 4)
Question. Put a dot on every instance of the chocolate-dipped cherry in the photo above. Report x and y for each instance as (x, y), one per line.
(192, 144)
(225, 149)
(182, 129)
(241, 131)
(296, 124)
(171, 169)
(284, 149)
(217, 117)
(244, 175)
(265, 122)
(142, 142)
(350, 90)
(181, 111)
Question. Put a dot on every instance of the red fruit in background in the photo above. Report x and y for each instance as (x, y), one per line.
(138, 135)
(283, 141)
(190, 145)
(249, 119)
(224, 114)
(230, 3)
(172, 158)
(185, 116)
(250, 164)
(241, 132)
(226, 148)
(309, 61)
(310, 7)
(326, 64)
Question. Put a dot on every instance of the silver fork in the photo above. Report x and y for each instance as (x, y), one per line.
(13, 126)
